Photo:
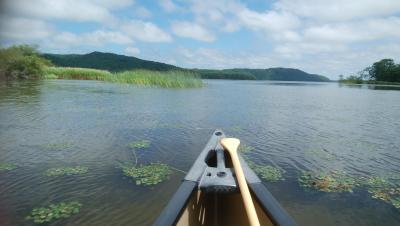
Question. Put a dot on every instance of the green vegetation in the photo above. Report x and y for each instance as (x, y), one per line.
(21, 62)
(116, 63)
(57, 146)
(268, 173)
(384, 72)
(54, 212)
(321, 153)
(7, 166)
(244, 148)
(147, 175)
(54, 172)
(327, 182)
(385, 189)
(106, 61)
(139, 144)
(166, 79)
(225, 74)
(278, 74)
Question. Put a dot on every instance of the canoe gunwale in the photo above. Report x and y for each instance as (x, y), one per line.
(177, 204)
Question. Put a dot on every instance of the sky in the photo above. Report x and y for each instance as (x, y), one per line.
(318, 36)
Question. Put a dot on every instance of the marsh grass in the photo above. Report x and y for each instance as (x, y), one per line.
(164, 79)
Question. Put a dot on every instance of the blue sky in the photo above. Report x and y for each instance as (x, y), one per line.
(318, 36)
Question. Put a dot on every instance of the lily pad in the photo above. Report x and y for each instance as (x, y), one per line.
(7, 166)
(147, 175)
(331, 182)
(321, 153)
(57, 146)
(54, 211)
(244, 148)
(66, 171)
(385, 189)
(268, 173)
(139, 144)
(396, 202)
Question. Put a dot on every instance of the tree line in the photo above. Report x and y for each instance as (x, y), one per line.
(385, 70)
(21, 62)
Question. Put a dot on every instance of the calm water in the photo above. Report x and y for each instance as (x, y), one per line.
(359, 126)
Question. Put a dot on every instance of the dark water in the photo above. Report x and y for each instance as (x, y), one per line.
(359, 126)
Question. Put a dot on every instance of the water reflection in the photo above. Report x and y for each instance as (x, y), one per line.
(295, 126)
(371, 86)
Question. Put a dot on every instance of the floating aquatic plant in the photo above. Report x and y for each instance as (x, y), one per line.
(54, 212)
(139, 144)
(268, 173)
(383, 189)
(57, 146)
(236, 128)
(396, 202)
(146, 175)
(321, 153)
(67, 171)
(7, 166)
(332, 182)
(244, 148)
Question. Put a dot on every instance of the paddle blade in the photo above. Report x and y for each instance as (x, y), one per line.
(230, 144)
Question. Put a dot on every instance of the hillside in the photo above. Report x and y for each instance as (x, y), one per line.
(114, 63)
(284, 74)
(106, 61)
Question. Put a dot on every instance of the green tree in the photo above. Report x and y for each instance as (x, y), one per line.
(21, 62)
(384, 70)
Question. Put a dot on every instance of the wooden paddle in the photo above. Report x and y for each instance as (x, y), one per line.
(231, 145)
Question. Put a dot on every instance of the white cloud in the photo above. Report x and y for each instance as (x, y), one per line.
(192, 30)
(69, 10)
(142, 12)
(269, 21)
(24, 29)
(169, 6)
(339, 10)
(132, 51)
(73, 10)
(95, 38)
(145, 31)
(365, 30)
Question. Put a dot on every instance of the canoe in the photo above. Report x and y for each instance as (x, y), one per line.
(209, 194)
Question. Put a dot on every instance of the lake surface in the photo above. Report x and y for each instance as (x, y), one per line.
(94, 122)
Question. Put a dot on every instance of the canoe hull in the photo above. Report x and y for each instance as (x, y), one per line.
(192, 206)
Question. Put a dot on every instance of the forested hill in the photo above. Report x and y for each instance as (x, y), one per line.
(106, 61)
(114, 62)
(281, 74)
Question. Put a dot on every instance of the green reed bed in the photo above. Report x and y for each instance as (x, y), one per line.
(164, 79)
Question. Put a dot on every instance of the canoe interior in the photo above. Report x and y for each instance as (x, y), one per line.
(218, 210)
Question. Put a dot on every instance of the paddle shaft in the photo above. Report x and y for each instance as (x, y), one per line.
(231, 145)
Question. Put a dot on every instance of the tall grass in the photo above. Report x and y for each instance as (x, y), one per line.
(164, 79)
